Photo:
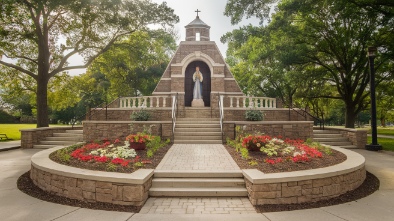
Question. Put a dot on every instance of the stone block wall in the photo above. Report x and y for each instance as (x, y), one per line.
(357, 137)
(98, 130)
(304, 190)
(31, 137)
(276, 114)
(91, 190)
(123, 114)
(290, 129)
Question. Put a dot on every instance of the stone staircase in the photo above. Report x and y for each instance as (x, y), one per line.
(198, 184)
(70, 137)
(332, 138)
(197, 131)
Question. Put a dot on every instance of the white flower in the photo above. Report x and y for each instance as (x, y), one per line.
(296, 154)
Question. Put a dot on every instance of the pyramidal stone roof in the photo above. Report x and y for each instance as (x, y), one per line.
(197, 23)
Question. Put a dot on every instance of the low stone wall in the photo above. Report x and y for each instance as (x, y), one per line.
(123, 114)
(98, 130)
(90, 186)
(306, 186)
(276, 114)
(31, 137)
(287, 129)
(357, 137)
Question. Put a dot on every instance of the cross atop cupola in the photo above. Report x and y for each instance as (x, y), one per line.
(197, 30)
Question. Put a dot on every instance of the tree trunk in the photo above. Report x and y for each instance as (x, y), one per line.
(42, 102)
(350, 117)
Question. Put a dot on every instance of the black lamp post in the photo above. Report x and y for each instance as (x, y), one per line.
(374, 145)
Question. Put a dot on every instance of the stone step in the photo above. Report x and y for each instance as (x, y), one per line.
(58, 143)
(198, 142)
(332, 139)
(326, 135)
(74, 131)
(197, 182)
(326, 132)
(187, 130)
(42, 146)
(198, 192)
(198, 174)
(75, 138)
(197, 122)
(197, 126)
(66, 134)
(176, 137)
(197, 133)
(198, 119)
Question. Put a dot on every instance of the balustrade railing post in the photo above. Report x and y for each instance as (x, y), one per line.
(164, 102)
(231, 101)
(158, 101)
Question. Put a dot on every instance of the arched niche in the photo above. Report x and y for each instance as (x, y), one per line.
(189, 84)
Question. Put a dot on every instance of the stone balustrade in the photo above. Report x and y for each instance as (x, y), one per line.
(250, 102)
(144, 102)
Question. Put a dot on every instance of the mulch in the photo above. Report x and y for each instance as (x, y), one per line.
(369, 186)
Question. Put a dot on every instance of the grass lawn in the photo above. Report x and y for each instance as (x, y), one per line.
(387, 143)
(384, 131)
(12, 130)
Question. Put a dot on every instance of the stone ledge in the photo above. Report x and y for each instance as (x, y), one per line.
(353, 162)
(267, 122)
(127, 122)
(42, 162)
(52, 128)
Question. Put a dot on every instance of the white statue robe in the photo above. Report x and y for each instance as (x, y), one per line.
(197, 91)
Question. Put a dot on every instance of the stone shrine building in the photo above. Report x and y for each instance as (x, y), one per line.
(197, 50)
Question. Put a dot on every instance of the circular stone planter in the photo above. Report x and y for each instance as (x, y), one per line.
(306, 185)
(89, 185)
(133, 189)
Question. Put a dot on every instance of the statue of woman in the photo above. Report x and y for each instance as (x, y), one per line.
(197, 78)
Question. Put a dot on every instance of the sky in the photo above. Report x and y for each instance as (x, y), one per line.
(211, 13)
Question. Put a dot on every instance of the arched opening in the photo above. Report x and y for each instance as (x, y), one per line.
(189, 84)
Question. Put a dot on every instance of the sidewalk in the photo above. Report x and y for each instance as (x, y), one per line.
(15, 205)
(10, 145)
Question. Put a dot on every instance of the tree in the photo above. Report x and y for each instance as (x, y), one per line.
(333, 37)
(41, 35)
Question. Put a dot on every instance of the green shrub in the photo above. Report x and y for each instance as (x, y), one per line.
(253, 115)
(141, 115)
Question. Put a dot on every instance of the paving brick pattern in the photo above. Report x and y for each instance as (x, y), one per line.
(236, 205)
(203, 157)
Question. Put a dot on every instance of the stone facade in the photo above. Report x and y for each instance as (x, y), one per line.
(287, 129)
(98, 130)
(91, 190)
(31, 137)
(303, 191)
(124, 114)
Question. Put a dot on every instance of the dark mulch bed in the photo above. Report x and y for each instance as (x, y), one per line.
(155, 159)
(370, 185)
(26, 185)
(286, 166)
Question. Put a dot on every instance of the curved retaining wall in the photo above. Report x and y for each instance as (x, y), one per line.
(306, 185)
(88, 185)
(132, 189)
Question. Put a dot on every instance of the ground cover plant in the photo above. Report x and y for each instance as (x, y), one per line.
(274, 154)
(114, 156)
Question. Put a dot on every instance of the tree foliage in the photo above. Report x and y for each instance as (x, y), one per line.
(41, 35)
(314, 49)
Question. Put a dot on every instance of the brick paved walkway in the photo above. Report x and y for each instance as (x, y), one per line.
(197, 157)
(233, 205)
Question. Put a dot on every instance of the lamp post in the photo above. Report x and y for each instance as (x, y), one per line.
(374, 145)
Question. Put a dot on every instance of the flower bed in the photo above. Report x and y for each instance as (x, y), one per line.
(116, 156)
(271, 154)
